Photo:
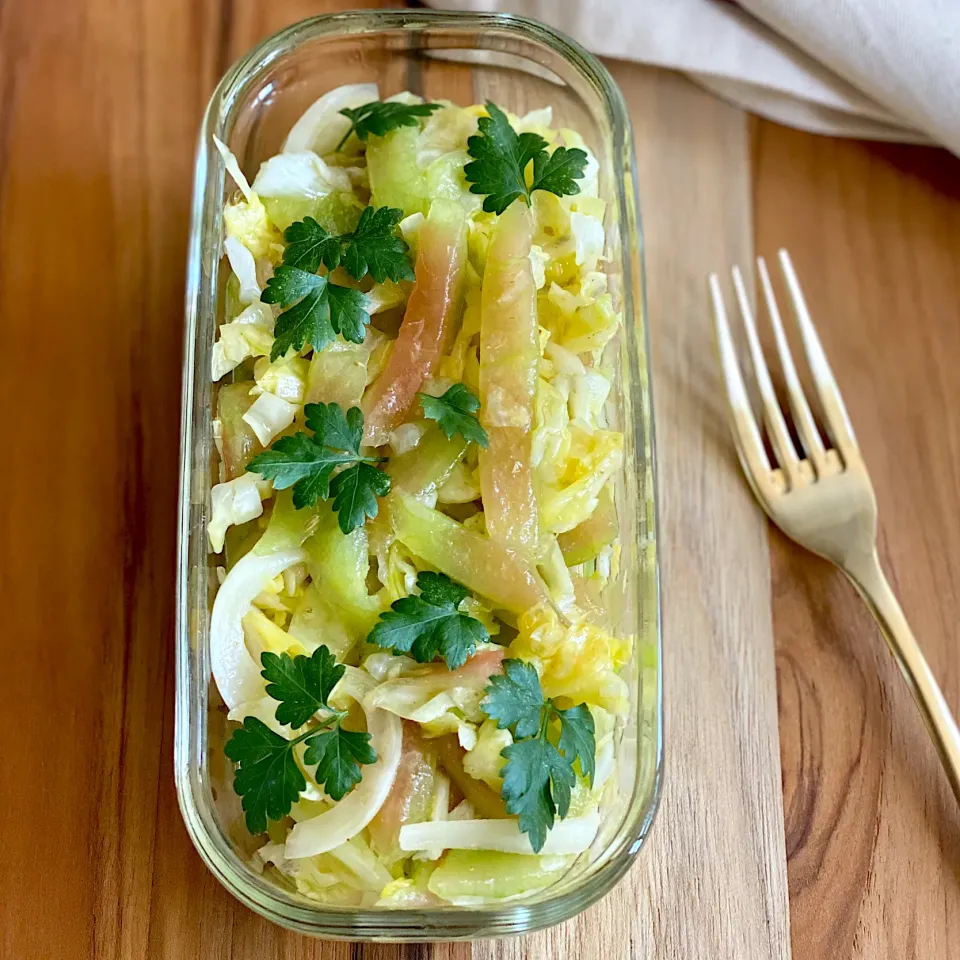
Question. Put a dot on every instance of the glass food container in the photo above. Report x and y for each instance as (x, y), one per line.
(468, 58)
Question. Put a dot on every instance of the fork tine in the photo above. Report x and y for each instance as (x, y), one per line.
(776, 425)
(745, 430)
(835, 413)
(806, 426)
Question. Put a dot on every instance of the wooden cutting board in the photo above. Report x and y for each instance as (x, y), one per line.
(105, 98)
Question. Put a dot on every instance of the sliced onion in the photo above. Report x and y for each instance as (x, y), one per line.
(234, 670)
(328, 830)
(233, 168)
(245, 268)
(322, 126)
(567, 836)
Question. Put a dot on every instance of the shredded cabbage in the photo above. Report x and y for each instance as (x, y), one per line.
(316, 621)
(299, 175)
(234, 502)
(262, 634)
(484, 761)
(244, 268)
(269, 415)
(385, 296)
(587, 398)
(250, 335)
(286, 378)
(575, 659)
(434, 690)
(446, 131)
(246, 220)
(592, 458)
(587, 238)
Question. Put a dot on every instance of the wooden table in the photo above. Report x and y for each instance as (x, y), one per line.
(99, 106)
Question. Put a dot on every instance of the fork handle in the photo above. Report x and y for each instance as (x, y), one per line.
(868, 577)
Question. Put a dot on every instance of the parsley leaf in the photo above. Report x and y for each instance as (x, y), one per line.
(537, 782)
(578, 738)
(302, 463)
(315, 310)
(308, 463)
(374, 247)
(454, 412)
(338, 754)
(268, 779)
(355, 493)
(336, 429)
(538, 775)
(301, 684)
(309, 245)
(515, 699)
(348, 312)
(431, 623)
(380, 118)
(500, 159)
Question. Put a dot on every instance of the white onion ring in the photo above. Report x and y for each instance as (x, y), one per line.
(347, 818)
(236, 673)
(322, 126)
(567, 836)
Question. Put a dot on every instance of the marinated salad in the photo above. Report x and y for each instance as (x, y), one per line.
(416, 509)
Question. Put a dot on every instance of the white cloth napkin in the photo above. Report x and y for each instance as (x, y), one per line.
(878, 69)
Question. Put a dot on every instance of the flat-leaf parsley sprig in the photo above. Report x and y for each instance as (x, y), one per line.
(379, 118)
(538, 775)
(308, 463)
(454, 412)
(431, 623)
(268, 779)
(372, 247)
(500, 158)
(315, 309)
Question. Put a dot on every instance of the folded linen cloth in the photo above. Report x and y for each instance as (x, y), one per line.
(877, 69)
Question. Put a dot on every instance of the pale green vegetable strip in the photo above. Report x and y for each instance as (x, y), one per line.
(470, 558)
(339, 565)
(495, 876)
(429, 463)
(395, 178)
(509, 358)
(338, 374)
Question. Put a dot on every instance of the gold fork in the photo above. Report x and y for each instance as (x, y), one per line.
(822, 498)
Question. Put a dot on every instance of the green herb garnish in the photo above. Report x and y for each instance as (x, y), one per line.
(379, 118)
(314, 310)
(454, 412)
(308, 463)
(371, 248)
(268, 779)
(500, 158)
(431, 624)
(538, 775)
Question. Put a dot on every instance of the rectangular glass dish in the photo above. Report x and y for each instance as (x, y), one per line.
(467, 58)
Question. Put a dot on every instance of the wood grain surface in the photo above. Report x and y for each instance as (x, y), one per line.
(99, 106)
(872, 830)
